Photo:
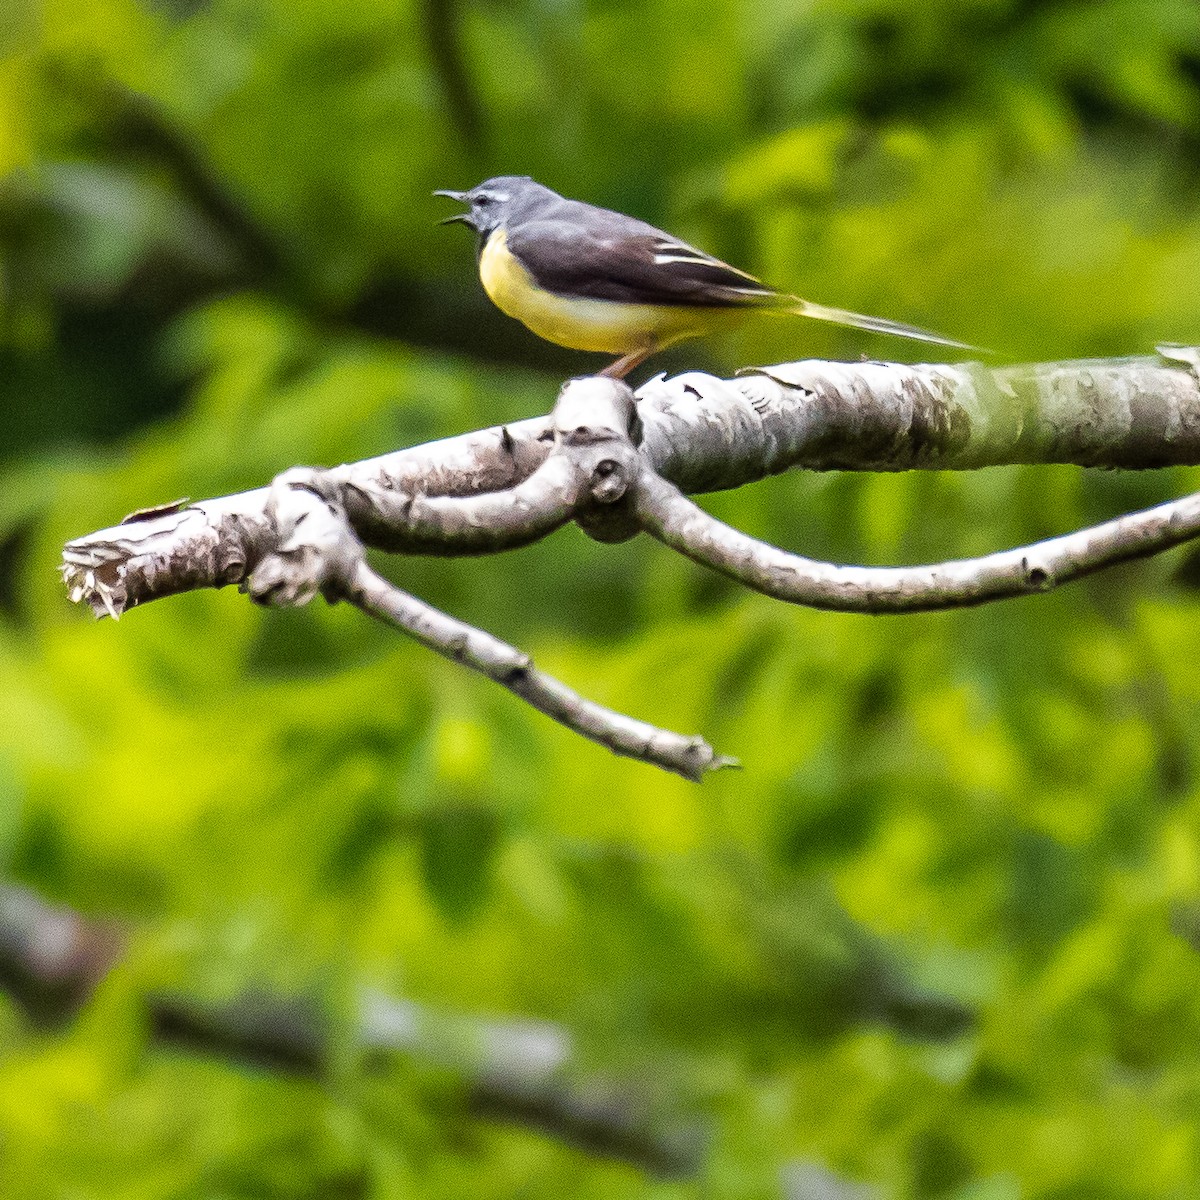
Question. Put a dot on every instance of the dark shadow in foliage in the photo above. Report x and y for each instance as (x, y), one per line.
(1052, 890)
(442, 20)
(459, 840)
(12, 550)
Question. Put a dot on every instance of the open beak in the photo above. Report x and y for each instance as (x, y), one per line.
(461, 197)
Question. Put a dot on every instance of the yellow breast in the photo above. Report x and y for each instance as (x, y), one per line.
(584, 324)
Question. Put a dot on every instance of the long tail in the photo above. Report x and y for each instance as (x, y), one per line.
(839, 316)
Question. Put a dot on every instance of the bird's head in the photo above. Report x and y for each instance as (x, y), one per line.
(496, 201)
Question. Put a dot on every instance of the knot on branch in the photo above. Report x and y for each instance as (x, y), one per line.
(315, 548)
(609, 482)
(596, 427)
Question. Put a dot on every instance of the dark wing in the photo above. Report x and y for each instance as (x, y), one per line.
(578, 250)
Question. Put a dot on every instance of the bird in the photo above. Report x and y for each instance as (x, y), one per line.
(590, 278)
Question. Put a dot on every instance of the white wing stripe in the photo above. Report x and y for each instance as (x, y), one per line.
(671, 251)
(663, 259)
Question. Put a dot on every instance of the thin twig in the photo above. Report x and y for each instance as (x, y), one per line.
(690, 757)
(675, 521)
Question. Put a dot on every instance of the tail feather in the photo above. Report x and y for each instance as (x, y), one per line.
(840, 316)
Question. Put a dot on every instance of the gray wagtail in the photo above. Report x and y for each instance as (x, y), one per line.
(593, 279)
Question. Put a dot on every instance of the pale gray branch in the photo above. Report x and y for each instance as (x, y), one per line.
(615, 467)
(700, 433)
(316, 550)
(674, 520)
(706, 434)
(483, 524)
(690, 757)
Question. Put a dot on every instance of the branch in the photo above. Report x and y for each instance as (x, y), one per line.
(523, 1071)
(317, 550)
(179, 547)
(442, 20)
(702, 434)
(527, 1071)
(616, 468)
(676, 522)
(690, 757)
(52, 959)
(705, 434)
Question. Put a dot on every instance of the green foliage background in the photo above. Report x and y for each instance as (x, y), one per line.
(219, 257)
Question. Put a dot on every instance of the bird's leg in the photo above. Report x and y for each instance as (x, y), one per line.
(626, 363)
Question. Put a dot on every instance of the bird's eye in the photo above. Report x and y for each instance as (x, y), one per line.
(483, 200)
